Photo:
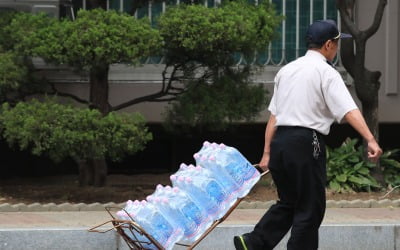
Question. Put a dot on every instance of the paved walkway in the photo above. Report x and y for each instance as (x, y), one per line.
(87, 219)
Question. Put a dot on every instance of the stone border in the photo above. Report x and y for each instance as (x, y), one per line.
(52, 207)
(49, 207)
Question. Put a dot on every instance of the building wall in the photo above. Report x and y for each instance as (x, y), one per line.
(383, 54)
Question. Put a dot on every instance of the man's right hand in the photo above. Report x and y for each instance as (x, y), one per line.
(264, 162)
(374, 151)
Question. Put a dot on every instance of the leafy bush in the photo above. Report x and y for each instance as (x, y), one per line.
(12, 73)
(6, 17)
(60, 131)
(229, 99)
(346, 169)
(22, 27)
(96, 37)
(391, 168)
(202, 45)
(211, 35)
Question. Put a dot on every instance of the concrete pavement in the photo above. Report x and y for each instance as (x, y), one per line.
(87, 219)
(352, 228)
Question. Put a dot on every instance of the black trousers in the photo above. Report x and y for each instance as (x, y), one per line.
(300, 178)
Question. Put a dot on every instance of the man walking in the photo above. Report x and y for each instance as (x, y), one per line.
(309, 95)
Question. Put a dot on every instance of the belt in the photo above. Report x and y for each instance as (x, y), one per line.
(317, 137)
(283, 128)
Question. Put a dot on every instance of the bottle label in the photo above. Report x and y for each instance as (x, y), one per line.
(192, 212)
(215, 192)
(164, 229)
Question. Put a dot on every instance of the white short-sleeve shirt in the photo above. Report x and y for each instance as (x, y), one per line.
(310, 93)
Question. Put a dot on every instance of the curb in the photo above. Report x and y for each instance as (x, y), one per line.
(52, 207)
(75, 207)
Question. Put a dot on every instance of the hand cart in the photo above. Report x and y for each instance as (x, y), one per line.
(133, 229)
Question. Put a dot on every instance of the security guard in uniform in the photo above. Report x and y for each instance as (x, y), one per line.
(309, 95)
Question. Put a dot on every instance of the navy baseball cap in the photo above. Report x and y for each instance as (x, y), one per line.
(323, 30)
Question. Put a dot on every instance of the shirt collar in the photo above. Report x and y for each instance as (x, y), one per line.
(315, 54)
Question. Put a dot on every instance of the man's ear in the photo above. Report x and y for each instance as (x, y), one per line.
(326, 45)
(332, 42)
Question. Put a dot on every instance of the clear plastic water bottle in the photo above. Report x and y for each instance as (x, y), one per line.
(214, 187)
(159, 198)
(157, 225)
(182, 167)
(158, 192)
(175, 215)
(207, 146)
(124, 215)
(197, 194)
(184, 170)
(131, 205)
(244, 174)
(170, 204)
(134, 208)
(132, 234)
(206, 151)
(205, 190)
(193, 219)
(230, 186)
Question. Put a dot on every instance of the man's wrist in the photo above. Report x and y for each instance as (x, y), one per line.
(371, 139)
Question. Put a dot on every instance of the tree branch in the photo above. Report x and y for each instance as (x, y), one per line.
(168, 91)
(377, 19)
(63, 94)
(147, 98)
(165, 99)
(347, 53)
(156, 97)
(343, 9)
(170, 79)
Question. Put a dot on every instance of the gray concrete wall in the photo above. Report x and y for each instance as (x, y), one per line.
(127, 83)
(332, 237)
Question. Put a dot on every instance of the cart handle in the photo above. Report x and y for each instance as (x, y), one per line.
(260, 170)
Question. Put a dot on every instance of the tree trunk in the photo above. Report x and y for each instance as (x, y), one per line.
(100, 172)
(99, 88)
(370, 112)
(92, 172)
(86, 173)
(99, 100)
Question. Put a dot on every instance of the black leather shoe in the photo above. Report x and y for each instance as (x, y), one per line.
(240, 243)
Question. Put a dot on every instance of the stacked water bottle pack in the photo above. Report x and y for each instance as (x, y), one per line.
(199, 195)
